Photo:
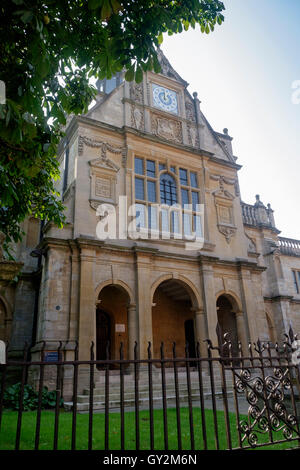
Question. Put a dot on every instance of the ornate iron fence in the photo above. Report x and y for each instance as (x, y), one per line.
(212, 402)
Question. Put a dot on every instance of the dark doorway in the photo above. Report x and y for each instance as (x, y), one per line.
(227, 323)
(190, 337)
(103, 328)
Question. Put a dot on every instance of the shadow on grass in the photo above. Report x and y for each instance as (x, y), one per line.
(9, 426)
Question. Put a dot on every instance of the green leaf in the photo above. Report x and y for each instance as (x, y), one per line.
(27, 17)
(129, 75)
(139, 75)
(106, 10)
(93, 4)
(156, 64)
(160, 38)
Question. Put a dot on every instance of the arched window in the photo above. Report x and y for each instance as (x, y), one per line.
(168, 192)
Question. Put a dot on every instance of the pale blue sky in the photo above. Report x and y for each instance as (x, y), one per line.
(243, 73)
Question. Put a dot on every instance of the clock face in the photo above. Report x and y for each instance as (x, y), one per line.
(165, 99)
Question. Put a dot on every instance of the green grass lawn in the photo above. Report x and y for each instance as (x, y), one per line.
(9, 424)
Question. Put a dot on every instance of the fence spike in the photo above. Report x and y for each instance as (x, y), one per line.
(135, 350)
(149, 350)
(43, 350)
(92, 350)
(59, 349)
(198, 349)
(107, 349)
(121, 350)
(291, 334)
(162, 349)
(76, 350)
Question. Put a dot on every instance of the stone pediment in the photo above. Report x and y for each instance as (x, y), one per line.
(104, 163)
(167, 69)
(222, 193)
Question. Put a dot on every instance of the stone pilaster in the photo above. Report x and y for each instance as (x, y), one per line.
(144, 302)
(201, 331)
(209, 298)
(249, 304)
(133, 330)
(87, 309)
(241, 331)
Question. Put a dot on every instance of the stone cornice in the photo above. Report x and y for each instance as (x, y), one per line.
(202, 259)
(77, 120)
(237, 263)
(9, 270)
(279, 298)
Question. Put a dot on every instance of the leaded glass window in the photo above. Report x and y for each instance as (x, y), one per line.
(168, 191)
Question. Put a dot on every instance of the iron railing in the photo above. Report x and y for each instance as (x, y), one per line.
(215, 401)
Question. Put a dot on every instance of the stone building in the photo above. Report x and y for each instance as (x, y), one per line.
(151, 143)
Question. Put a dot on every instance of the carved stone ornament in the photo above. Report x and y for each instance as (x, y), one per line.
(136, 92)
(193, 135)
(105, 147)
(228, 232)
(103, 172)
(169, 129)
(252, 245)
(224, 208)
(137, 118)
(190, 110)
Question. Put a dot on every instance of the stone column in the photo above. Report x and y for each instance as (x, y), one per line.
(249, 304)
(133, 330)
(241, 331)
(144, 302)
(201, 331)
(210, 304)
(87, 309)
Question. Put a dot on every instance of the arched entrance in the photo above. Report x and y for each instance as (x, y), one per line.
(103, 335)
(112, 322)
(173, 319)
(5, 323)
(227, 320)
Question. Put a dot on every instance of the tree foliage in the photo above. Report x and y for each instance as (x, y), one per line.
(49, 50)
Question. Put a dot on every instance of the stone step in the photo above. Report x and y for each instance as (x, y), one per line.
(115, 394)
(156, 388)
(158, 380)
(157, 401)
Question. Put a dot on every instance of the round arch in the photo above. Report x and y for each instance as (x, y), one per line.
(233, 298)
(6, 312)
(186, 283)
(174, 301)
(118, 284)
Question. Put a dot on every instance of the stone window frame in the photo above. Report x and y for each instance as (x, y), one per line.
(296, 279)
(169, 166)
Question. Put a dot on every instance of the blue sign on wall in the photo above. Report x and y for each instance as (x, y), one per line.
(51, 356)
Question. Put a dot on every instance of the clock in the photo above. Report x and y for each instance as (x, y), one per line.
(165, 99)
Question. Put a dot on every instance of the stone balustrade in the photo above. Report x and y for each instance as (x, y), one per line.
(288, 246)
(258, 215)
